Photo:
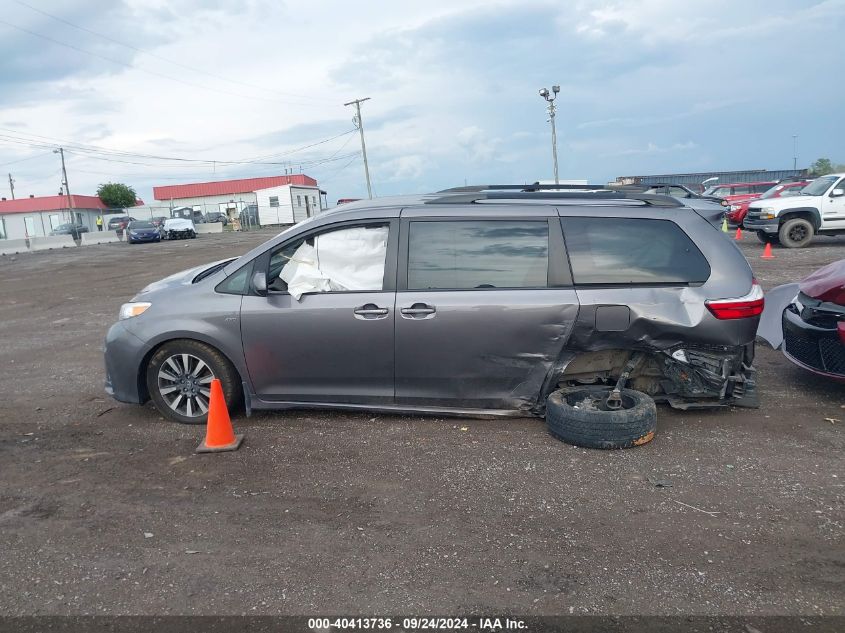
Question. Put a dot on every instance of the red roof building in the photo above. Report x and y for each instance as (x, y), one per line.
(229, 187)
(50, 203)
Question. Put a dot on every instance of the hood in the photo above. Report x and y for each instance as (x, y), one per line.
(152, 230)
(182, 278)
(826, 284)
(781, 202)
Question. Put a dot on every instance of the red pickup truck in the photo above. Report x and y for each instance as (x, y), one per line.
(738, 209)
(739, 191)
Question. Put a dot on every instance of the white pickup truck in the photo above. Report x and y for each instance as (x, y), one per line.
(818, 210)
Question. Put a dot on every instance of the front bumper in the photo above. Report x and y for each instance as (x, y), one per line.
(123, 353)
(817, 349)
(153, 237)
(754, 223)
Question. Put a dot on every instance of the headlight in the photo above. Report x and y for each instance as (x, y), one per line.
(767, 213)
(129, 310)
(735, 207)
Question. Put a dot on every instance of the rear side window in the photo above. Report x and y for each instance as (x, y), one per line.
(478, 254)
(632, 250)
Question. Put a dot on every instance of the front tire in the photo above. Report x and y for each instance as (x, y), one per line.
(796, 233)
(179, 377)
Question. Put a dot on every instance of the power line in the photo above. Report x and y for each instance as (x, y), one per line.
(160, 57)
(116, 155)
(144, 70)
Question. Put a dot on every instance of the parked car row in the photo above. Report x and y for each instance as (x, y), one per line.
(818, 208)
(140, 231)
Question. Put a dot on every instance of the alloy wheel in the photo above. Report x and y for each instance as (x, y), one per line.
(184, 384)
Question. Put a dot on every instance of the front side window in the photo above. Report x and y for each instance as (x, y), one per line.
(742, 190)
(478, 254)
(343, 260)
(630, 250)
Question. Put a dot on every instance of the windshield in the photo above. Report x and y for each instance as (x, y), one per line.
(717, 191)
(771, 193)
(141, 225)
(819, 186)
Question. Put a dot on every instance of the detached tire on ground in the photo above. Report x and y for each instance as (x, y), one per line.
(179, 378)
(578, 417)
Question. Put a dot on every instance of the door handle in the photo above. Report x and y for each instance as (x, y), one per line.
(370, 311)
(418, 310)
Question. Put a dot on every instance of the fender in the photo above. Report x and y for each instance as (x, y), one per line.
(813, 211)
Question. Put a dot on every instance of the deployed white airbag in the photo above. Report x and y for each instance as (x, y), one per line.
(348, 259)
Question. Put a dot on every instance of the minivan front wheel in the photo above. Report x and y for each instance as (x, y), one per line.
(179, 378)
(796, 233)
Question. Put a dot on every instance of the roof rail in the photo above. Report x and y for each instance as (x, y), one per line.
(475, 193)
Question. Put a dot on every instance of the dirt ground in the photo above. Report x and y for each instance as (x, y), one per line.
(105, 508)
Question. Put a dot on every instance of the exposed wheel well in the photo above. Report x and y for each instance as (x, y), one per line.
(143, 392)
(804, 215)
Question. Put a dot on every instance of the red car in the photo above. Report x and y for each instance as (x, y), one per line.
(739, 191)
(738, 210)
(808, 319)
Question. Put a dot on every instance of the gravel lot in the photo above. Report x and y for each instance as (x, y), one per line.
(105, 509)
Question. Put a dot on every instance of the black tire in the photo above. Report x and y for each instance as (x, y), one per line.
(592, 427)
(767, 238)
(195, 387)
(796, 233)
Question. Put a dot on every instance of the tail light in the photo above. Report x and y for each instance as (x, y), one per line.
(750, 305)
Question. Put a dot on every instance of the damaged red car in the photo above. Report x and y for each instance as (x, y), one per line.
(807, 320)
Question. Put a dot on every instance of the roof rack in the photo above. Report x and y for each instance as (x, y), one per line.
(475, 193)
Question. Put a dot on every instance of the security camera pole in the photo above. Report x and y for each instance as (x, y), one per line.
(359, 123)
(550, 98)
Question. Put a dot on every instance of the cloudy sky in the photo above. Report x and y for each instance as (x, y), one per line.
(166, 91)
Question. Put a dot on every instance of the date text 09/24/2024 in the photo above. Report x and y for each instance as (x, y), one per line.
(418, 623)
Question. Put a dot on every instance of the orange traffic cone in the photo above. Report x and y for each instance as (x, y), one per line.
(767, 252)
(738, 235)
(219, 435)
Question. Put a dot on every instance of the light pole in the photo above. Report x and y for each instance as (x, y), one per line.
(550, 99)
(359, 123)
(794, 152)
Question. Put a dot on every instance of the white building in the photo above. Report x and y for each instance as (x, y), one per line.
(274, 199)
(37, 216)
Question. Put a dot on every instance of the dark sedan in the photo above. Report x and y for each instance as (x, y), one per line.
(70, 229)
(808, 319)
(140, 231)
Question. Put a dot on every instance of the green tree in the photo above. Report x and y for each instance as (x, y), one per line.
(117, 195)
(821, 167)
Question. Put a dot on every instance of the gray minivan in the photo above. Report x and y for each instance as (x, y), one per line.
(471, 301)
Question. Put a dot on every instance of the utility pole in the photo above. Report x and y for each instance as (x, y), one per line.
(359, 123)
(550, 98)
(794, 151)
(61, 152)
(12, 185)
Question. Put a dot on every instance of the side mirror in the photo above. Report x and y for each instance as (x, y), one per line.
(259, 282)
(836, 193)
